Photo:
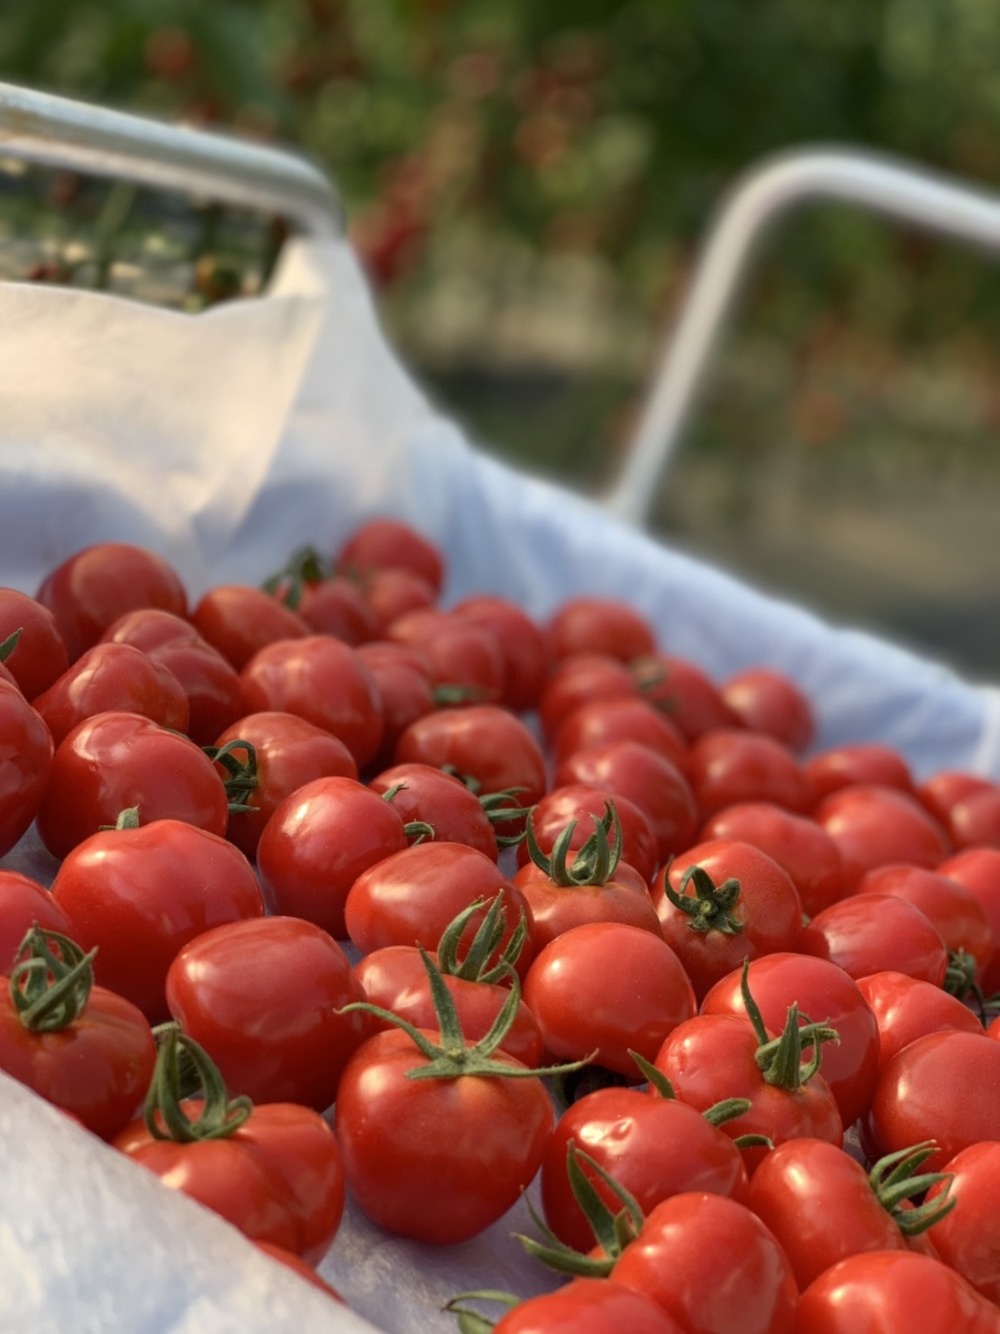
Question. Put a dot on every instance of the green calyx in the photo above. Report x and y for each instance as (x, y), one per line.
(305, 566)
(242, 775)
(896, 1179)
(484, 960)
(498, 811)
(51, 981)
(718, 1114)
(182, 1063)
(711, 906)
(472, 1322)
(453, 1056)
(780, 1059)
(415, 830)
(8, 645)
(594, 863)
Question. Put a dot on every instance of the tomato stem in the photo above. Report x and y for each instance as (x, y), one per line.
(50, 990)
(166, 1111)
(710, 906)
(896, 1180)
(595, 862)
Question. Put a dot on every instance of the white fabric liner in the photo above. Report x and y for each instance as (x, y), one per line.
(225, 441)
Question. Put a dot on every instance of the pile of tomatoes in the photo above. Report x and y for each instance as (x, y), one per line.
(350, 892)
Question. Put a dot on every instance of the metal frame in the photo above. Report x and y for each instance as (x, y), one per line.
(57, 131)
(882, 185)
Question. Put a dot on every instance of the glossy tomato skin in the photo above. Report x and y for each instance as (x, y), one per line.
(96, 585)
(768, 701)
(97, 1069)
(238, 621)
(624, 897)
(434, 797)
(907, 1008)
(796, 843)
(220, 984)
(861, 762)
(623, 718)
(392, 590)
(278, 1178)
(403, 677)
(289, 752)
(583, 803)
(587, 1306)
(381, 542)
(945, 1087)
(461, 653)
(578, 680)
(874, 825)
(337, 606)
(974, 821)
(139, 895)
(960, 919)
(819, 1203)
(436, 1159)
(111, 677)
(978, 870)
(870, 933)
(599, 625)
(727, 765)
(395, 979)
(40, 656)
(411, 896)
(643, 994)
(713, 1056)
(323, 681)
(522, 645)
(685, 1245)
(655, 1147)
(23, 903)
(210, 682)
(115, 761)
(685, 693)
(25, 764)
(883, 1292)
(827, 995)
(968, 1237)
(316, 844)
(767, 910)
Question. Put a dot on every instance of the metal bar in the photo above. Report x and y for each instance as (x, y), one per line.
(39, 127)
(895, 189)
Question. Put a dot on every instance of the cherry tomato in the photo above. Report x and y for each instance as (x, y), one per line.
(222, 982)
(402, 676)
(872, 933)
(23, 903)
(862, 762)
(25, 764)
(430, 795)
(322, 680)
(730, 902)
(978, 869)
(620, 718)
(943, 790)
(684, 692)
(392, 590)
(578, 680)
(462, 655)
(599, 625)
(521, 643)
(974, 821)
(238, 621)
(39, 656)
(968, 1237)
(960, 919)
(338, 606)
(676, 1256)
(93, 587)
(621, 896)
(727, 766)
(795, 842)
(907, 1008)
(873, 826)
(582, 803)
(320, 838)
(768, 701)
(588, 1306)
(115, 761)
(139, 894)
(643, 995)
(113, 677)
(384, 542)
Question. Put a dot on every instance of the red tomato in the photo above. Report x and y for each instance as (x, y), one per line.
(395, 979)
(795, 842)
(620, 718)
(599, 625)
(322, 680)
(675, 1260)
(655, 1147)
(25, 764)
(737, 903)
(588, 1306)
(581, 802)
(684, 693)
(978, 869)
(873, 933)
(430, 795)
(301, 1267)
(968, 1237)
(93, 587)
(115, 761)
(139, 894)
(961, 920)
(39, 656)
(521, 643)
(337, 606)
(943, 790)
(238, 621)
(392, 590)
(578, 680)
(113, 677)
(827, 995)
(874, 825)
(437, 1159)
(288, 752)
(316, 844)
(402, 676)
(768, 701)
(463, 656)
(382, 542)
(210, 682)
(727, 766)
(628, 769)
(821, 1205)
(941, 1087)
(882, 1292)
(906, 1008)
(23, 903)
(93, 1058)
(863, 762)
(222, 981)
(644, 994)
(974, 821)
(412, 896)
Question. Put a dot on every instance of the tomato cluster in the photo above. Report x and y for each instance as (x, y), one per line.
(355, 893)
